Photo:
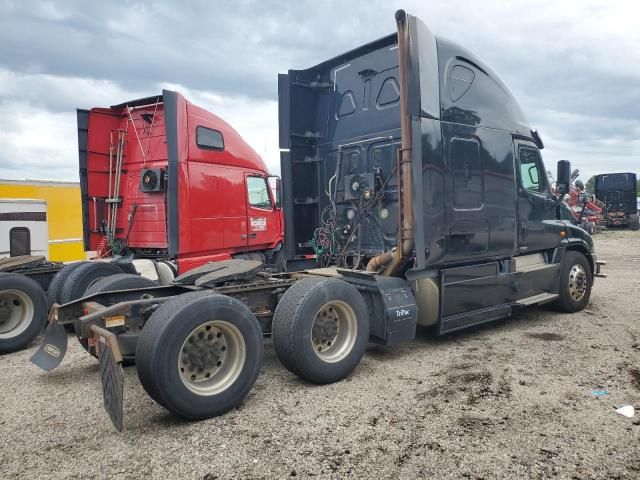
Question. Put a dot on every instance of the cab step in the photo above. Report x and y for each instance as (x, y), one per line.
(537, 299)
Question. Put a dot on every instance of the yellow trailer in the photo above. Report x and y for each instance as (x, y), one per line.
(64, 213)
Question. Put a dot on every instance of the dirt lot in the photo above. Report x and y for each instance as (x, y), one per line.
(508, 400)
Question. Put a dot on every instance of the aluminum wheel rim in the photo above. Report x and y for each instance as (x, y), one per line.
(16, 312)
(334, 331)
(577, 282)
(211, 357)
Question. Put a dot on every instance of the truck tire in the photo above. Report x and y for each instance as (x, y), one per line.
(279, 261)
(58, 281)
(634, 222)
(576, 280)
(321, 329)
(83, 277)
(200, 354)
(23, 311)
(166, 272)
(119, 281)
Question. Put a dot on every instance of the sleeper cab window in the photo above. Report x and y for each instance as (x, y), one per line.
(531, 172)
(209, 139)
(258, 192)
(460, 80)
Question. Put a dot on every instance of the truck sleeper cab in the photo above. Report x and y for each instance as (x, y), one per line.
(482, 224)
(163, 178)
(414, 194)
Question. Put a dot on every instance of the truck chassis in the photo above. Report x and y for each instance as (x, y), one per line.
(119, 327)
(198, 345)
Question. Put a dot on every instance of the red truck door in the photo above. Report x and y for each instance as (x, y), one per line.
(217, 208)
(263, 224)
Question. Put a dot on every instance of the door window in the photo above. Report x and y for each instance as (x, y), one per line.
(19, 241)
(258, 192)
(531, 172)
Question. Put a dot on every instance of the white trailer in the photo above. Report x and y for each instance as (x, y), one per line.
(23, 227)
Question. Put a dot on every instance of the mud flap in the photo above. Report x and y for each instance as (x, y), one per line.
(53, 348)
(112, 376)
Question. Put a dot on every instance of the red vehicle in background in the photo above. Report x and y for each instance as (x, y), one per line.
(166, 187)
(164, 179)
(586, 209)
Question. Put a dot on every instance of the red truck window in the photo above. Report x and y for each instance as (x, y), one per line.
(258, 193)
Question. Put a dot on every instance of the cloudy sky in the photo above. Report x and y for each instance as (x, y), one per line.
(574, 66)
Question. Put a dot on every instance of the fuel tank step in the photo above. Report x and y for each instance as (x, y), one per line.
(540, 298)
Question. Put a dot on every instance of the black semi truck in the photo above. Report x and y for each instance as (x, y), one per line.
(619, 193)
(414, 194)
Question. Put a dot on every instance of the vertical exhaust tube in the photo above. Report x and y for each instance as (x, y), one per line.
(405, 242)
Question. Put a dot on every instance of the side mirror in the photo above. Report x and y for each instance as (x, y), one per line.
(276, 190)
(563, 178)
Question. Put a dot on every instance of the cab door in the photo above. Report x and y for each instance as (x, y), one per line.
(263, 227)
(538, 228)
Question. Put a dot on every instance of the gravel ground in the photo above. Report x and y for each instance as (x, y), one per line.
(507, 400)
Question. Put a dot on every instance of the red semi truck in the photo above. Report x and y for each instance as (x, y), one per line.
(165, 180)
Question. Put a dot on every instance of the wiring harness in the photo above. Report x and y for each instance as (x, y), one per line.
(328, 242)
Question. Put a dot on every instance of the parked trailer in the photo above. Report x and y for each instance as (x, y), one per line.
(410, 171)
(618, 192)
(64, 218)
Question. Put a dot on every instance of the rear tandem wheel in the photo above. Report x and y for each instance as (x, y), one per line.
(82, 277)
(199, 354)
(55, 287)
(321, 329)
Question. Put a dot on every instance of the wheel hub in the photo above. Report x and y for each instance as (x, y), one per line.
(211, 357)
(16, 312)
(325, 329)
(5, 310)
(203, 353)
(334, 331)
(577, 282)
